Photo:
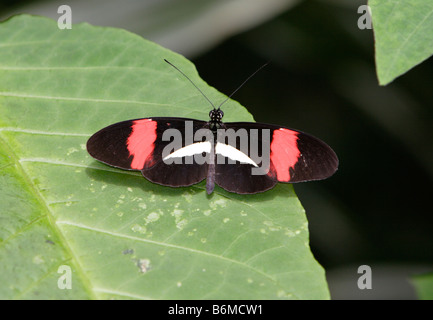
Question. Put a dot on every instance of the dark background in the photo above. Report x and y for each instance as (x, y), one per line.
(377, 209)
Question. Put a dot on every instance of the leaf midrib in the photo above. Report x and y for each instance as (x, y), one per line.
(44, 207)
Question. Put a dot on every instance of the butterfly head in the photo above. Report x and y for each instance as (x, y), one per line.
(216, 115)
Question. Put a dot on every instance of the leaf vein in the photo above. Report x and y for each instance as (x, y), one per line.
(168, 245)
(22, 95)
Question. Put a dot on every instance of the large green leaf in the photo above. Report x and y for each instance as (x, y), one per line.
(403, 32)
(122, 236)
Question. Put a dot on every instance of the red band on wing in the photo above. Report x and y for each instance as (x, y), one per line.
(284, 152)
(140, 142)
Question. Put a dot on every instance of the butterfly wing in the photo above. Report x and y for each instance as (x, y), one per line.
(139, 145)
(282, 155)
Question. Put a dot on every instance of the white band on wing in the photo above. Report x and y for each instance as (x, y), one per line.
(192, 149)
(233, 154)
(221, 148)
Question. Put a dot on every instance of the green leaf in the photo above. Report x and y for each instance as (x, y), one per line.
(403, 32)
(122, 236)
(424, 286)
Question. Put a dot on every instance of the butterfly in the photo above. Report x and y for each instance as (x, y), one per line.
(240, 157)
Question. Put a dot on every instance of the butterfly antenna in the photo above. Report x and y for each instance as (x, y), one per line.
(190, 81)
(243, 84)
